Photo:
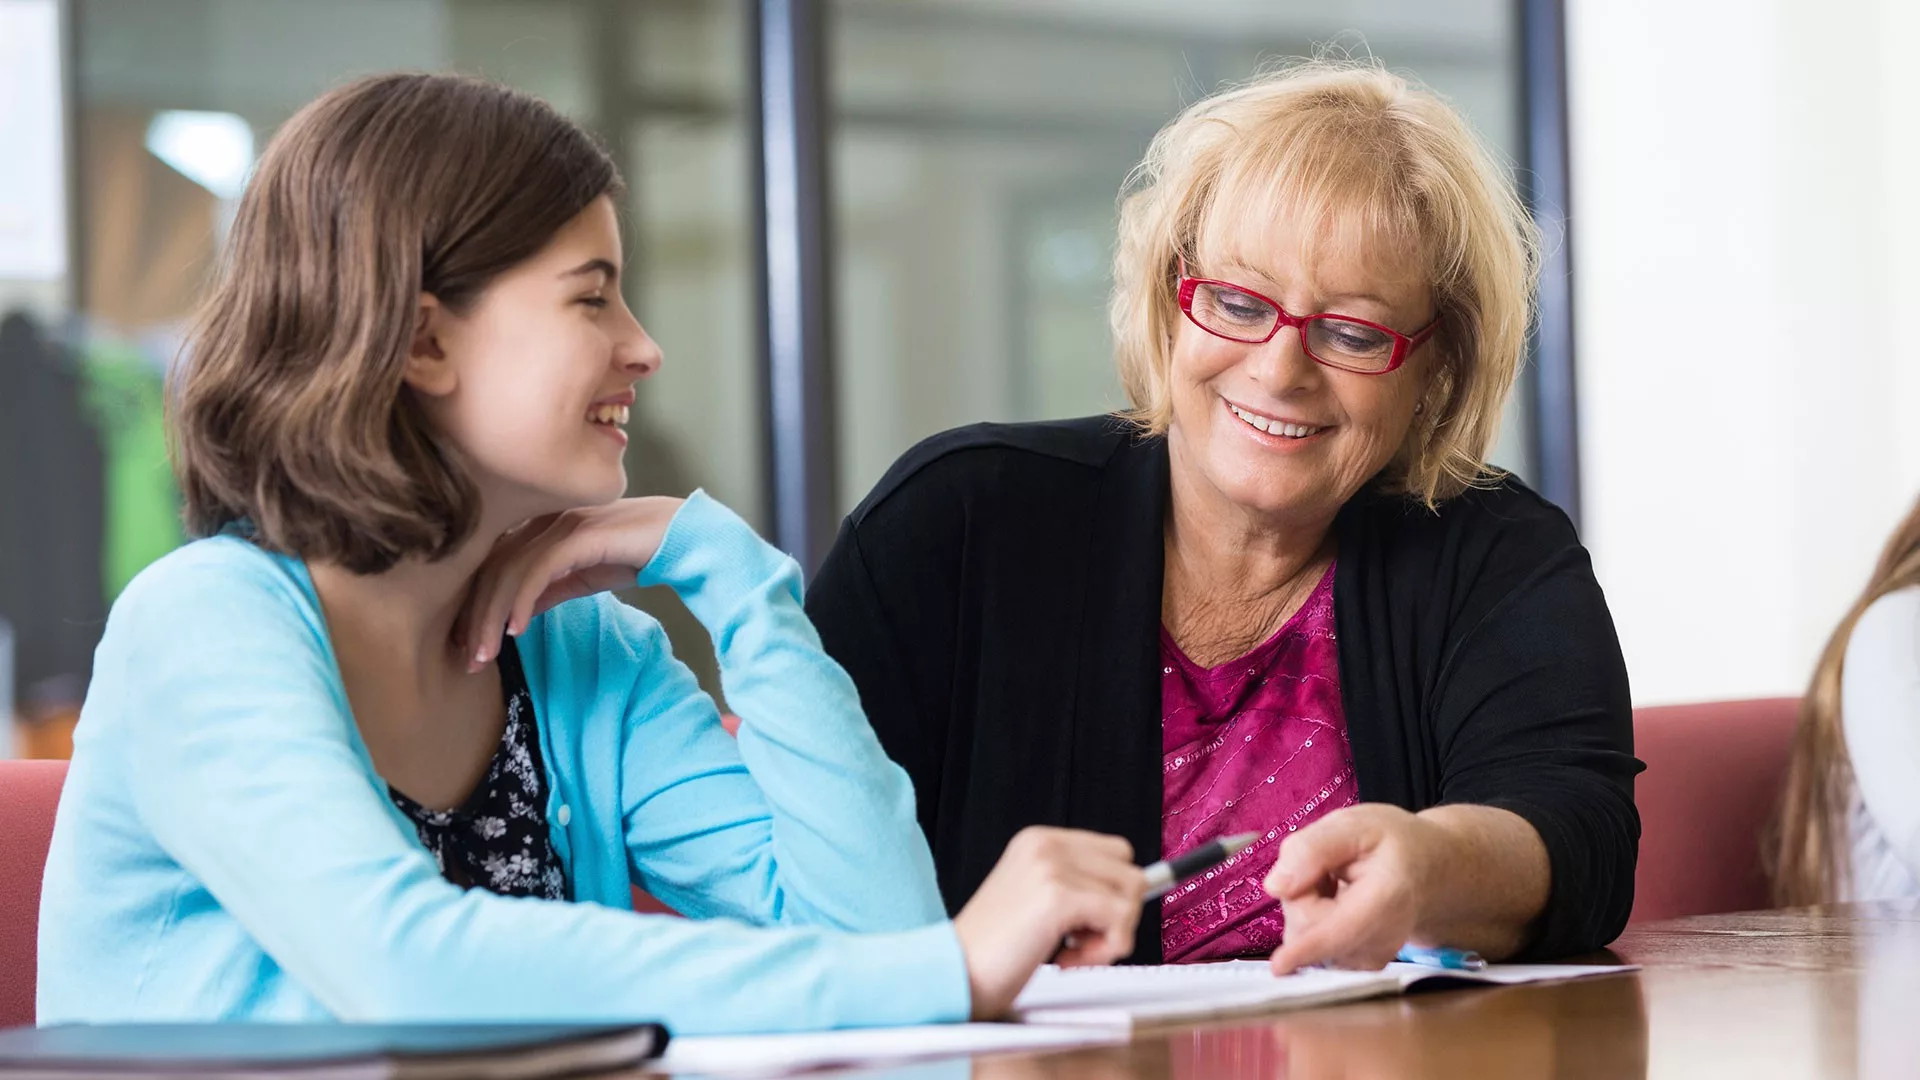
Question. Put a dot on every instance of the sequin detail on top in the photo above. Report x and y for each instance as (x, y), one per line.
(1257, 744)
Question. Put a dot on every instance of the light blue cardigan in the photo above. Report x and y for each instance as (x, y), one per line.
(225, 851)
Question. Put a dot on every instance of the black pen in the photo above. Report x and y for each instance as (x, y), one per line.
(1165, 874)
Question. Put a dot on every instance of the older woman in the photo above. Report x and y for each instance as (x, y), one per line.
(1284, 594)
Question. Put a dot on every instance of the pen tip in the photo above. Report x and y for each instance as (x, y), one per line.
(1239, 841)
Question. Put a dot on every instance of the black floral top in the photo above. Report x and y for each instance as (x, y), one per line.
(497, 840)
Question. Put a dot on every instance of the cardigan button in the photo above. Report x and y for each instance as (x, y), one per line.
(564, 815)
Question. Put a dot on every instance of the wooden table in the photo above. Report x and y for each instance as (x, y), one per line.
(1827, 992)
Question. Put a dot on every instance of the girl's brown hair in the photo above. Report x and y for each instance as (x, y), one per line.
(288, 410)
(1810, 833)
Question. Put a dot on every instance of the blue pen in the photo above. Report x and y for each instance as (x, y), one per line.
(1451, 959)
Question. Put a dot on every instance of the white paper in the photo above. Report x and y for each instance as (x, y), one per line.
(759, 1055)
(1065, 1008)
(1122, 997)
(1507, 974)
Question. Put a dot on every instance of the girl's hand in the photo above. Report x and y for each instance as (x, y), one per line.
(550, 560)
(1050, 885)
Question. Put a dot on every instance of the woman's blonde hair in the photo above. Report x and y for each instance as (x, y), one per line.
(1363, 162)
(1809, 835)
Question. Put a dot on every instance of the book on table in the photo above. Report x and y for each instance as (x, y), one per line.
(326, 1051)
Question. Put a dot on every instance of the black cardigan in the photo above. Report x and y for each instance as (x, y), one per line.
(996, 599)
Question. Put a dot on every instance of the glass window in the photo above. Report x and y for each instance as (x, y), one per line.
(979, 152)
(175, 98)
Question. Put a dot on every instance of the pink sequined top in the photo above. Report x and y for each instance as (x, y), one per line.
(1257, 744)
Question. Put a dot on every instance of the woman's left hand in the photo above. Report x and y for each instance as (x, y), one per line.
(550, 560)
(1350, 886)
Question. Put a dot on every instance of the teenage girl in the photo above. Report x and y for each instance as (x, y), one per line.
(381, 747)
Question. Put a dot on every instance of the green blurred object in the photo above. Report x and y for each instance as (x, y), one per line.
(126, 399)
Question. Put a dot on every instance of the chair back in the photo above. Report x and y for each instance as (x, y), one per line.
(1714, 775)
(29, 791)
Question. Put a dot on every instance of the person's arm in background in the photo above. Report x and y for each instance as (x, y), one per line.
(1880, 718)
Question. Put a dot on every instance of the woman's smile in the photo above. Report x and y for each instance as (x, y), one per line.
(1276, 432)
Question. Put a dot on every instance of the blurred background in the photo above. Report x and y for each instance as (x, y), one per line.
(854, 223)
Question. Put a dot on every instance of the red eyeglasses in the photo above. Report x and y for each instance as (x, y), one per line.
(1237, 313)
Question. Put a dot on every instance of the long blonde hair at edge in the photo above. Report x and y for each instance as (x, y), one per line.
(1807, 854)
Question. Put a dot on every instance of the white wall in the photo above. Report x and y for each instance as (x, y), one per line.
(33, 236)
(33, 233)
(1747, 260)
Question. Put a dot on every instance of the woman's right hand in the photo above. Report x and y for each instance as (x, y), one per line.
(1050, 886)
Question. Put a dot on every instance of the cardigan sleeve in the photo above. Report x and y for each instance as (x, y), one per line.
(1533, 716)
(856, 603)
(250, 778)
(802, 819)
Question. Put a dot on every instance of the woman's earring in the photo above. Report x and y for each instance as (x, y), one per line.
(1419, 407)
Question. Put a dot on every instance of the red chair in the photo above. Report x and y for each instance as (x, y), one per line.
(29, 791)
(1714, 775)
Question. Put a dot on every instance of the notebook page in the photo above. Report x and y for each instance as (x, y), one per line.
(1124, 997)
(1505, 974)
(763, 1055)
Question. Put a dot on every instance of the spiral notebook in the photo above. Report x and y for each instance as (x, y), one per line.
(1125, 997)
